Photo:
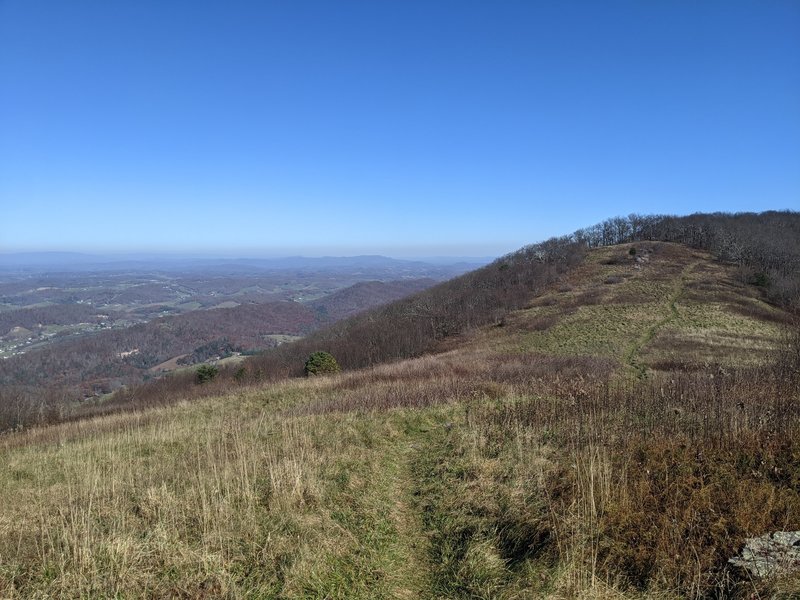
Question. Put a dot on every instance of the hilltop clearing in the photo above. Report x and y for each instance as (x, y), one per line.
(647, 306)
(618, 436)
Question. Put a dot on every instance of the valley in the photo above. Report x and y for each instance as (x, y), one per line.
(91, 332)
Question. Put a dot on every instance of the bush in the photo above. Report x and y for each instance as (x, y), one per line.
(206, 373)
(321, 363)
(760, 279)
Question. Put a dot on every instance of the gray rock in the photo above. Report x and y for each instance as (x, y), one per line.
(770, 554)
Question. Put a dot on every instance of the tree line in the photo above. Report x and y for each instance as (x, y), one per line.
(765, 245)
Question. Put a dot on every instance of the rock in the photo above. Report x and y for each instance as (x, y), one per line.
(770, 554)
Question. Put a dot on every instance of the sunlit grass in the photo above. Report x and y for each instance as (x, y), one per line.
(677, 307)
(224, 497)
(516, 465)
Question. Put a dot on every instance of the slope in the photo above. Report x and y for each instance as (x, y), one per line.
(367, 294)
(564, 451)
(761, 249)
(647, 305)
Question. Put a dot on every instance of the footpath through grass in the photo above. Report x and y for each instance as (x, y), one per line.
(448, 487)
(632, 358)
(228, 498)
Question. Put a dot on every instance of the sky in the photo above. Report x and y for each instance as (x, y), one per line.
(405, 128)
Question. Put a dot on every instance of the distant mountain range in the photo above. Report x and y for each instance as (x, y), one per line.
(76, 261)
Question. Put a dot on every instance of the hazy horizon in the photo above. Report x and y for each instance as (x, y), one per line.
(418, 253)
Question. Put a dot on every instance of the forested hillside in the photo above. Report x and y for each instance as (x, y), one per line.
(121, 354)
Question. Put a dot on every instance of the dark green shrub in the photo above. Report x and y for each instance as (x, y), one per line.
(321, 363)
(760, 279)
(206, 373)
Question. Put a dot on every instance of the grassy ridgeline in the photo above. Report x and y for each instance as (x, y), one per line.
(527, 460)
(762, 249)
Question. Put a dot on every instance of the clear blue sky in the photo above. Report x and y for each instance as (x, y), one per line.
(402, 127)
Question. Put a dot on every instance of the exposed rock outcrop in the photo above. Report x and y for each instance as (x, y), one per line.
(770, 554)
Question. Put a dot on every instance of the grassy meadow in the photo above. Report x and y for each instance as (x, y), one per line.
(618, 438)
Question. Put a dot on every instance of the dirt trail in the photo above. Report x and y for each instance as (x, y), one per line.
(631, 356)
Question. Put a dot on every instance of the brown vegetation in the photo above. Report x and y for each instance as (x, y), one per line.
(650, 484)
(534, 447)
(486, 475)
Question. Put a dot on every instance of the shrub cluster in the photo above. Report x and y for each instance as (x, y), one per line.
(321, 363)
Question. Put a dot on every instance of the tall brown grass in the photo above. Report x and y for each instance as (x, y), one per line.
(650, 484)
(526, 476)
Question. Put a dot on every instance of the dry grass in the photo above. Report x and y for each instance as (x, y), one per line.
(676, 308)
(481, 472)
(218, 499)
(499, 478)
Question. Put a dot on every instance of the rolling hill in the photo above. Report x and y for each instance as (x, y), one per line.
(77, 366)
(647, 306)
(368, 294)
(574, 420)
